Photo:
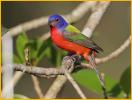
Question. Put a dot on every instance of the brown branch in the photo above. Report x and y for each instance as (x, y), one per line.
(52, 72)
(60, 80)
(37, 71)
(112, 55)
(75, 15)
(34, 78)
(95, 17)
(116, 52)
(63, 78)
(74, 84)
(37, 86)
(69, 77)
(93, 20)
(55, 87)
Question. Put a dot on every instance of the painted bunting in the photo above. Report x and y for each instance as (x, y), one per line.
(69, 38)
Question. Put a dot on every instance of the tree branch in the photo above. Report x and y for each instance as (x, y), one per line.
(116, 52)
(52, 72)
(95, 17)
(34, 78)
(37, 86)
(75, 15)
(112, 55)
(69, 77)
(72, 17)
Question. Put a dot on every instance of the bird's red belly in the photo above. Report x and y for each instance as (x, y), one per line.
(67, 45)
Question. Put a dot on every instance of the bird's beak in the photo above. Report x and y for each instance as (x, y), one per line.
(52, 23)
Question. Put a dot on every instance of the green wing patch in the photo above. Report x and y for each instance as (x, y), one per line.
(72, 29)
(74, 35)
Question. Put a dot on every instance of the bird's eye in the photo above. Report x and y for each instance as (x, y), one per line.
(57, 19)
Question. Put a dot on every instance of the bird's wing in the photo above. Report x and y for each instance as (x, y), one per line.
(73, 34)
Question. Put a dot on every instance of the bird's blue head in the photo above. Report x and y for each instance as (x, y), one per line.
(57, 21)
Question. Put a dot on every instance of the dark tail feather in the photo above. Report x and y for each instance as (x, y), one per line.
(98, 49)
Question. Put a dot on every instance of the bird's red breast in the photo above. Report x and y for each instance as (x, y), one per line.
(61, 42)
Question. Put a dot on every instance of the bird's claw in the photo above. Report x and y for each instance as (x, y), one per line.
(66, 58)
(77, 58)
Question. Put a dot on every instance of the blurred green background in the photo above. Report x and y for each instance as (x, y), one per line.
(112, 31)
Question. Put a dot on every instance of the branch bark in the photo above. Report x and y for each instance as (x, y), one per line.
(75, 15)
(95, 17)
(91, 23)
(52, 72)
(69, 77)
(88, 29)
(7, 55)
(61, 79)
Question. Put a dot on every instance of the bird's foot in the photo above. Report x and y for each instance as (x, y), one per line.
(66, 58)
(77, 58)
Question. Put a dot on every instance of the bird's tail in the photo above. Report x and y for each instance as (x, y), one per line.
(93, 64)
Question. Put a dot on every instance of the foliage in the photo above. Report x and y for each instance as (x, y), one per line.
(86, 78)
(19, 96)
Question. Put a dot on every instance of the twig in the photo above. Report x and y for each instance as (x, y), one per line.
(37, 86)
(16, 77)
(75, 15)
(34, 70)
(23, 27)
(103, 87)
(34, 78)
(82, 9)
(75, 85)
(65, 64)
(56, 71)
(112, 55)
(7, 58)
(84, 32)
(95, 17)
(55, 87)
(13, 81)
(60, 80)
(52, 72)
(116, 52)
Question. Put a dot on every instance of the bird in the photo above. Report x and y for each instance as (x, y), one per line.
(67, 37)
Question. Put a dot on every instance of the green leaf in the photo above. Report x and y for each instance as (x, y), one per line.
(125, 81)
(43, 47)
(33, 47)
(53, 52)
(60, 55)
(116, 91)
(16, 59)
(56, 55)
(89, 80)
(19, 96)
(21, 41)
(47, 52)
(37, 49)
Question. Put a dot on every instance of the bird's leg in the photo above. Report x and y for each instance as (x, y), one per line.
(66, 57)
(93, 64)
(70, 54)
(77, 57)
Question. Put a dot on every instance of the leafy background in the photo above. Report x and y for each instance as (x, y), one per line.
(109, 34)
